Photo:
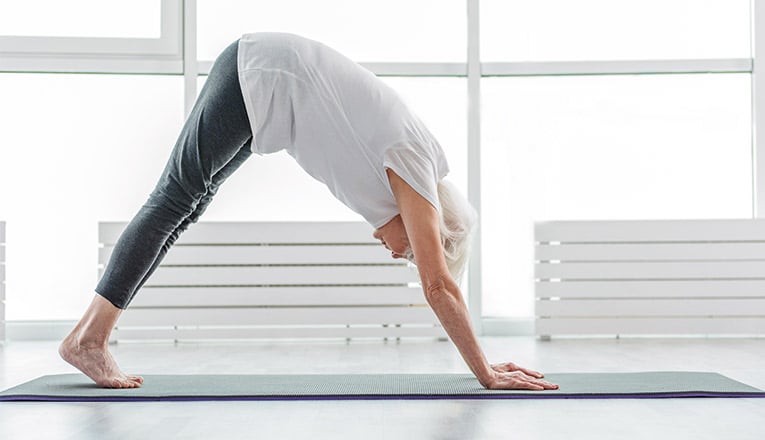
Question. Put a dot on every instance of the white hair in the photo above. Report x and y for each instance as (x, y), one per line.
(457, 222)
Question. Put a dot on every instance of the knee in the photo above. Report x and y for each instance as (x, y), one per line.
(171, 204)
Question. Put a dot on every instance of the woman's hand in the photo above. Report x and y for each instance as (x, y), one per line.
(509, 376)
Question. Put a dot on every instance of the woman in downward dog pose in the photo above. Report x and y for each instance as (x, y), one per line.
(268, 92)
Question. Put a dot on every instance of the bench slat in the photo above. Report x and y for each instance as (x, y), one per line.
(222, 255)
(651, 289)
(658, 307)
(276, 296)
(202, 333)
(651, 270)
(653, 251)
(650, 230)
(651, 326)
(282, 275)
(278, 316)
(260, 232)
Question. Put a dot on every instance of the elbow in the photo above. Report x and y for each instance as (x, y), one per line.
(439, 288)
(434, 290)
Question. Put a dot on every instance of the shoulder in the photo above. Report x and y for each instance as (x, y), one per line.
(419, 168)
(412, 204)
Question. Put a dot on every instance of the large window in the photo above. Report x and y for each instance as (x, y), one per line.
(604, 147)
(559, 146)
(590, 109)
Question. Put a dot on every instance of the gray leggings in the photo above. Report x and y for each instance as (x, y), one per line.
(214, 142)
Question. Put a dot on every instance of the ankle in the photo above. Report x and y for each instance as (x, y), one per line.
(93, 345)
(88, 340)
(93, 330)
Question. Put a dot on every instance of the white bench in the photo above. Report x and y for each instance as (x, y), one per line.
(2, 281)
(662, 277)
(261, 280)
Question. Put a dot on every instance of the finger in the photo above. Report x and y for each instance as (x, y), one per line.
(512, 367)
(501, 368)
(547, 385)
(533, 373)
(520, 382)
(531, 386)
(522, 375)
(537, 384)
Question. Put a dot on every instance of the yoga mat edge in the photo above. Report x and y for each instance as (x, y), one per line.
(642, 385)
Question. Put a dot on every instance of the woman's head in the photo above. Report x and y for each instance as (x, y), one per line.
(393, 236)
(456, 222)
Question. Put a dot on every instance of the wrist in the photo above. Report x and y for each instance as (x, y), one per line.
(486, 378)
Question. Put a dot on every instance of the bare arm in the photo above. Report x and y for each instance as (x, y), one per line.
(443, 294)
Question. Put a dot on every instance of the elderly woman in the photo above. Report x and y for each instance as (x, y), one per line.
(346, 128)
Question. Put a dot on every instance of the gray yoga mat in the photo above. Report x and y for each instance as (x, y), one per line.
(78, 388)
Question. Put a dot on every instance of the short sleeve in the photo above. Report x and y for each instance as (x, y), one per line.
(416, 170)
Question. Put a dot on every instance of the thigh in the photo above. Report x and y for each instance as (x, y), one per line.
(216, 130)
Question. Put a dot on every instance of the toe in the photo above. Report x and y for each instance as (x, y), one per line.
(121, 383)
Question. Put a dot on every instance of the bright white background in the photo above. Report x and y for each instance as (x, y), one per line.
(561, 30)
(80, 18)
(76, 149)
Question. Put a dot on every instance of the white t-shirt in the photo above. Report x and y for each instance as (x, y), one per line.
(341, 123)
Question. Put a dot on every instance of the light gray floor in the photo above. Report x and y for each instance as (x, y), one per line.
(720, 419)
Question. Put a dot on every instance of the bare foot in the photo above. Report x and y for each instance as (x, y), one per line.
(97, 363)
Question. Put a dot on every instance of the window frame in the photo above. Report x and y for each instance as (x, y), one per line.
(163, 55)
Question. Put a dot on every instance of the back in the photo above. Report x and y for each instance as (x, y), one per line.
(337, 119)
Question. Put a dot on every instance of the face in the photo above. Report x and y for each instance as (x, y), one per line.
(393, 236)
